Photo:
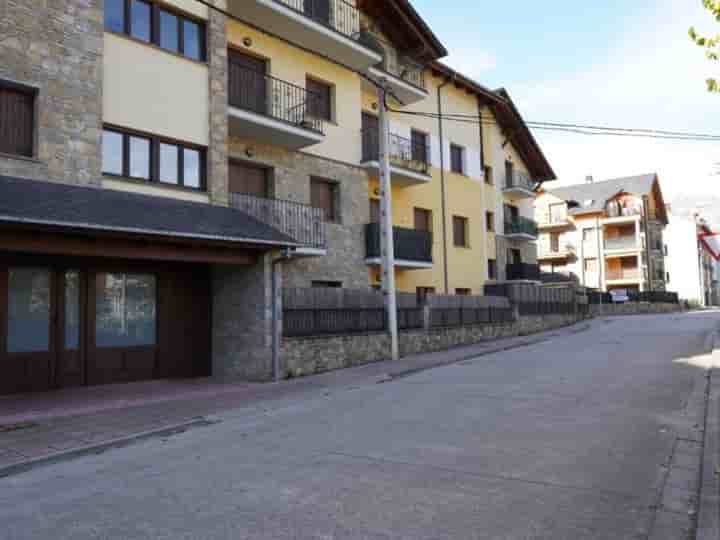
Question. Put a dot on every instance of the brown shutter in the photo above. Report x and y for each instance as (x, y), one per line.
(248, 179)
(418, 141)
(322, 196)
(16, 121)
(247, 83)
(374, 210)
(319, 103)
(422, 219)
(459, 230)
(456, 159)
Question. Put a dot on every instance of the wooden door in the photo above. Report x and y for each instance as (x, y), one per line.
(27, 294)
(370, 137)
(423, 219)
(248, 179)
(419, 150)
(248, 82)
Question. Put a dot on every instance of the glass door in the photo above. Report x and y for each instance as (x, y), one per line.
(71, 321)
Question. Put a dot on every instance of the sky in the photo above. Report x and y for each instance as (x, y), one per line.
(619, 63)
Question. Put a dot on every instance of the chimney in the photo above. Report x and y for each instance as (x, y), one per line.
(589, 179)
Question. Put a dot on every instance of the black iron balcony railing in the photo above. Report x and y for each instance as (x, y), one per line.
(410, 245)
(337, 15)
(303, 223)
(621, 242)
(524, 271)
(404, 153)
(262, 94)
(521, 225)
(519, 180)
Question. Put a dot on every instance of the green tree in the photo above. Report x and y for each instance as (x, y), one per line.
(710, 44)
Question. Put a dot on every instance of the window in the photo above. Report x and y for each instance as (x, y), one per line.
(153, 159)
(248, 179)
(492, 269)
(667, 277)
(320, 100)
(420, 149)
(28, 310)
(489, 175)
(17, 120)
(327, 284)
(460, 229)
(140, 20)
(148, 22)
(588, 235)
(490, 221)
(423, 219)
(325, 194)
(591, 266)
(463, 292)
(457, 159)
(665, 250)
(125, 307)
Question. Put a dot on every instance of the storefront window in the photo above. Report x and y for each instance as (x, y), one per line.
(125, 310)
(72, 310)
(28, 310)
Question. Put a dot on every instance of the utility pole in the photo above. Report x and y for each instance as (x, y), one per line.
(387, 243)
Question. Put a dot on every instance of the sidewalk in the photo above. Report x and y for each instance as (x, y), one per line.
(44, 428)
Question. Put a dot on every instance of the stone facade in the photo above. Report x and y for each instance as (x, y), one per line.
(290, 178)
(242, 321)
(217, 156)
(308, 356)
(56, 48)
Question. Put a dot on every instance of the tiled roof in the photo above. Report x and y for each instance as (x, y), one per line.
(592, 197)
(46, 203)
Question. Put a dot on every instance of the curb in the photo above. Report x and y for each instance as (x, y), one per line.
(98, 448)
(708, 526)
(400, 374)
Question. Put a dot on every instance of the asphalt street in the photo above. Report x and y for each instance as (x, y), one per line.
(566, 439)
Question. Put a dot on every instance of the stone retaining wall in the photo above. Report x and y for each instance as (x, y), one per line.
(307, 356)
(634, 308)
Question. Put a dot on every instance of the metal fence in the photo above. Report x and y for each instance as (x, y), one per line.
(412, 155)
(655, 297)
(338, 15)
(520, 180)
(521, 225)
(303, 223)
(262, 94)
(449, 317)
(410, 244)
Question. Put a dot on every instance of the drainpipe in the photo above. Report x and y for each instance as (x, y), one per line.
(442, 180)
(286, 255)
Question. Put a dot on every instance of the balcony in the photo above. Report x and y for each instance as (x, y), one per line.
(621, 244)
(521, 228)
(522, 272)
(270, 110)
(554, 221)
(413, 249)
(330, 28)
(623, 275)
(409, 162)
(303, 223)
(614, 214)
(566, 251)
(519, 185)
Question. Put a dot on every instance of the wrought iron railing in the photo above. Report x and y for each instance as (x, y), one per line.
(404, 152)
(621, 242)
(262, 94)
(337, 15)
(557, 251)
(521, 225)
(303, 223)
(410, 245)
(522, 271)
(519, 180)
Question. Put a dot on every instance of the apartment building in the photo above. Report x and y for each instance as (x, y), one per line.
(163, 163)
(688, 261)
(609, 234)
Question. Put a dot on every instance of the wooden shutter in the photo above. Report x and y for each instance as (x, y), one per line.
(456, 159)
(459, 231)
(247, 82)
(370, 137)
(248, 179)
(322, 195)
(418, 141)
(319, 103)
(374, 210)
(17, 121)
(423, 219)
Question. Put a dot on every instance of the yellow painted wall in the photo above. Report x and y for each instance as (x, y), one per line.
(291, 64)
(148, 89)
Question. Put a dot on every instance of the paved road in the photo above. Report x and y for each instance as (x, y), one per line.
(560, 440)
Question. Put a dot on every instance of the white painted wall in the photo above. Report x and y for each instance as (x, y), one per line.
(682, 261)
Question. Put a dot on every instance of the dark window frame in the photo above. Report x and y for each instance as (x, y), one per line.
(425, 155)
(457, 158)
(463, 291)
(326, 284)
(32, 93)
(155, 29)
(155, 142)
(464, 242)
(323, 110)
(488, 171)
(490, 221)
(492, 269)
(335, 213)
